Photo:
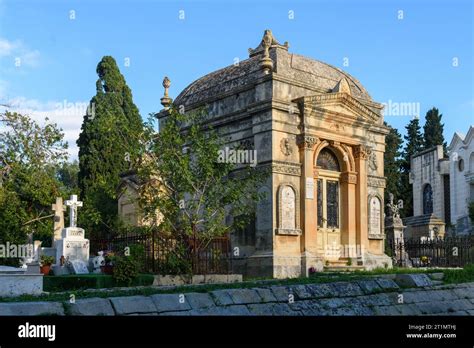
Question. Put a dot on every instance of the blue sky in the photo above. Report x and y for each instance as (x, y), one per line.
(408, 60)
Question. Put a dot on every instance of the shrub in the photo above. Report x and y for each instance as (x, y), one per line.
(137, 253)
(125, 269)
(177, 262)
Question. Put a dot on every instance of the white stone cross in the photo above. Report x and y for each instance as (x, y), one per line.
(73, 204)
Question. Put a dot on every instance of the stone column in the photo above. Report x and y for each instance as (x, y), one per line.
(361, 154)
(308, 201)
(348, 209)
(58, 209)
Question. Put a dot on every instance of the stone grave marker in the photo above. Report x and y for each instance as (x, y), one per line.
(72, 247)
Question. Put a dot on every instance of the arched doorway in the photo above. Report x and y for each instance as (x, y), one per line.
(328, 202)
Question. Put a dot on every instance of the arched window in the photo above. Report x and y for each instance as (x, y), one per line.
(327, 160)
(427, 199)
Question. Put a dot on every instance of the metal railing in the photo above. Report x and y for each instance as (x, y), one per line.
(159, 253)
(446, 252)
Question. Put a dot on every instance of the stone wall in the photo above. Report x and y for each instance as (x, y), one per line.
(374, 296)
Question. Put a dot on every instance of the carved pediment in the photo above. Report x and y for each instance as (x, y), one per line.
(340, 103)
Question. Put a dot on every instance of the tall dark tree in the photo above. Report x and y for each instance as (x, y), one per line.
(392, 162)
(413, 144)
(108, 146)
(433, 130)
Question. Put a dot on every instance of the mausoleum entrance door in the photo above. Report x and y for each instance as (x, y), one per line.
(328, 203)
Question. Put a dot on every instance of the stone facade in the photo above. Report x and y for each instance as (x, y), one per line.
(429, 167)
(461, 170)
(127, 194)
(442, 188)
(297, 112)
(429, 177)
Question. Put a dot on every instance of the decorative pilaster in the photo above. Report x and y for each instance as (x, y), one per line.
(348, 209)
(307, 144)
(361, 155)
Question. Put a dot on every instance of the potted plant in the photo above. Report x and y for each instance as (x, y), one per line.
(46, 262)
(109, 257)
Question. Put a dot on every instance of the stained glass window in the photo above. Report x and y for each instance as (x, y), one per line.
(427, 200)
(332, 203)
(327, 160)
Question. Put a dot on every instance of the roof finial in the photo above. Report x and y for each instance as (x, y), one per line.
(270, 41)
(266, 63)
(166, 100)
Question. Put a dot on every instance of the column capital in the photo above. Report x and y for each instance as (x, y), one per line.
(349, 177)
(362, 151)
(307, 142)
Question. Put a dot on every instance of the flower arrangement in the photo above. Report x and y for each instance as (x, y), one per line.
(46, 260)
(424, 259)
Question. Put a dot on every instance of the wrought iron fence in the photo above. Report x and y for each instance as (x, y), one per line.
(162, 254)
(446, 252)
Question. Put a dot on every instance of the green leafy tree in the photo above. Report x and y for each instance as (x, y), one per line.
(30, 155)
(197, 197)
(392, 162)
(413, 145)
(67, 175)
(108, 143)
(433, 130)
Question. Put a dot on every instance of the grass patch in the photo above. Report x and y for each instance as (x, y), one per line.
(90, 281)
(464, 275)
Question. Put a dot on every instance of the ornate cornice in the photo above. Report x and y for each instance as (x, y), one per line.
(288, 168)
(376, 181)
(345, 99)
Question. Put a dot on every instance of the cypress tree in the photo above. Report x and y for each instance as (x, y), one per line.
(108, 145)
(413, 145)
(433, 130)
(392, 162)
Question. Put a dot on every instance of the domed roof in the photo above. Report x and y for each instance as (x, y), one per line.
(316, 75)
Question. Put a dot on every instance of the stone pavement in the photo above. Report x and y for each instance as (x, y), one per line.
(376, 296)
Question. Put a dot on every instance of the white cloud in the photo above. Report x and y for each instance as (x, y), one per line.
(7, 47)
(18, 50)
(31, 58)
(66, 114)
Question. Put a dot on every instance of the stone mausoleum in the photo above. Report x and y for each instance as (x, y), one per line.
(323, 137)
